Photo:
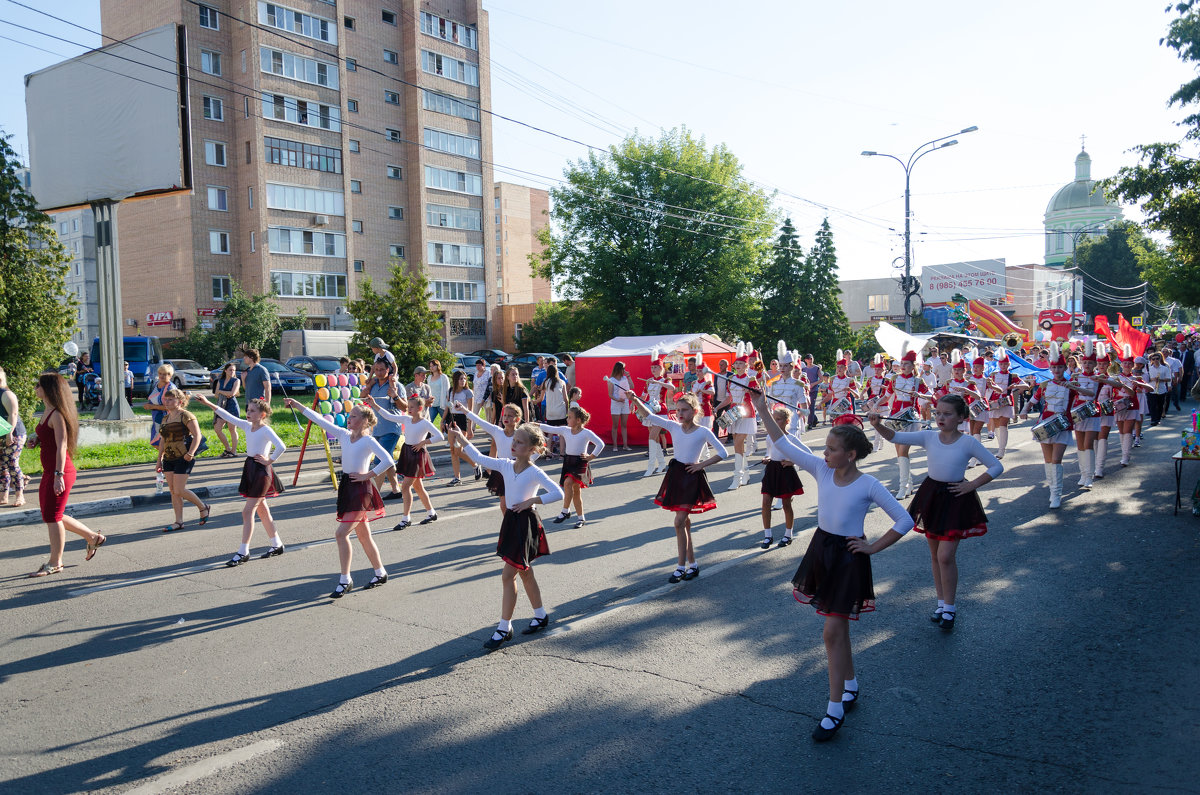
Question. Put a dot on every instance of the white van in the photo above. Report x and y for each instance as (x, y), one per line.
(314, 343)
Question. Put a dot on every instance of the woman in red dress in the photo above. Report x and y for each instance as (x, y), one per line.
(56, 435)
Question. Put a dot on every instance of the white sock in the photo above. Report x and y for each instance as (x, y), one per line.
(244, 549)
(768, 532)
(504, 626)
(581, 517)
(380, 572)
(948, 609)
(835, 709)
(275, 542)
(539, 612)
(406, 518)
(564, 513)
(344, 579)
(850, 684)
(433, 513)
(941, 604)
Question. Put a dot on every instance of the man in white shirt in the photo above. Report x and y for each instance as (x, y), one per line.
(1170, 359)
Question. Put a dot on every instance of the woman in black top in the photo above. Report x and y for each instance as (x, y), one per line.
(516, 393)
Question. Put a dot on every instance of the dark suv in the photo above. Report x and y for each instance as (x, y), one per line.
(491, 356)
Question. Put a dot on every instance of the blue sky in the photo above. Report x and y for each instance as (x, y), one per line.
(798, 89)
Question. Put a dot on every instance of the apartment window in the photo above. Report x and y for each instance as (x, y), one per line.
(391, 97)
(293, 284)
(395, 251)
(300, 155)
(451, 68)
(293, 21)
(351, 65)
(391, 56)
(356, 186)
(214, 153)
(352, 105)
(453, 217)
(62, 228)
(497, 202)
(250, 196)
(301, 111)
(218, 199)
(458, 181)
(348, 22)
(353, 146)
(466, 327)
(214, 109)
(298, 67)
(393, 135)
(449, 30)
(457, 291)
(222, 288)
(218, 242)
(209, 18)
(308, 200)
(210, 62)
(396, 213)
(251, 241)
(455, 254)
(358, 266)
(288, 240)
(451, 143)
(877, 303)
(389, 17)
(74, 224)
(451, 106)
(356, 226)
(395, 172)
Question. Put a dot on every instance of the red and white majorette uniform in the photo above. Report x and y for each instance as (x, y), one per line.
(704, 391)
(656, 394)
(1056, 398)
(980, 382)
(961, 387)
(793, 392)
(878, 386)
(842, 386)
(739, 394)
(906, 391)
(1085, 382)
(999, 394)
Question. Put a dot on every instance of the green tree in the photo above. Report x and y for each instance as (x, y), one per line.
(1111, 266)
(784, 291)
(821, 323)
(245, 320)
(1166, 183)
(864, 344)
(36, 312)
(402, 318)
(659, 236)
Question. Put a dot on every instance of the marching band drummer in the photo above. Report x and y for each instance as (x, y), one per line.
(1087, 429)
(1128, 417)
(1055, 397)
(979, 380)
(931, 383)
(738, 397)
(788, 389)
(705, 390)
(842, 386)
(958, 385)
(878, 388)
(1001, 386)
(655, 395)
(908, 391)
(1104, 377)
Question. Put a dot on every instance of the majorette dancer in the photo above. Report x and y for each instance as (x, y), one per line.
(1055, 398)
(704, 389)
(1129, 386)
(841, 385)
(878, 387)
(958, 385)
(930, 377)
(502, 436)
(908, 391)
(655, 395)
(738, 398)
(1001, 387)
(1088, 429)
(979, 380)
(1108, 420)
(787, 388)
(576, 467)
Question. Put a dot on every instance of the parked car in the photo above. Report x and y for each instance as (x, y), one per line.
(313, 365)
(283, 378)
(189, 374)
(525, 362)
(466, 362)
(491, 356)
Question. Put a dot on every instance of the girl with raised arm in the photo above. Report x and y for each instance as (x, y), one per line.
(502, 437)
(414, 464)
(576, 474)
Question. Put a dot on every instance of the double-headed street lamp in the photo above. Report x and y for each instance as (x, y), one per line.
(917, 154)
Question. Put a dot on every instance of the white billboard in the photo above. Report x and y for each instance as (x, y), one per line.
(978, 279)
(108, 124)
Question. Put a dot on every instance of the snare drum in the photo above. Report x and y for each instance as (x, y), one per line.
(902, 421)
(977, 408)
(1122, 404)
(1046, 430)
(1107, 408)
(1085, 411)
(731, 417)
(840, 406)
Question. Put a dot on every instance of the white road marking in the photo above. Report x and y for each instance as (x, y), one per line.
(202, 769)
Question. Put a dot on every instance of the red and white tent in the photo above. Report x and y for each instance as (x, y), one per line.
(592, 365)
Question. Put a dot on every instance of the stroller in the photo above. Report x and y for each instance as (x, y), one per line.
(93, 392)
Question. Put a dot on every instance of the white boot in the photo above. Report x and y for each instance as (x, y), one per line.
(738, 458)
(661, 466)
(1001, 440)
(1087, 465)
(1126, 446)
(878, 442)
(746, 470)
(652, 463)
(905, 477)
(1101, 451)
(1052, 472)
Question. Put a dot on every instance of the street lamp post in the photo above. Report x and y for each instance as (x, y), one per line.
(917, 154)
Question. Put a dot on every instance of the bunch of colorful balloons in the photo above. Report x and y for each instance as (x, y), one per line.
(337, 394)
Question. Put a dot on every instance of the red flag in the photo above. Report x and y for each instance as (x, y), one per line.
(1102, 330)
(1138, 340)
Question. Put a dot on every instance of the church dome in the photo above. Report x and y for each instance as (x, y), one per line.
(1081, 193)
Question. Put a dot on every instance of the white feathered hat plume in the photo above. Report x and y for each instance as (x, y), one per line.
(1002, 354)
(1055, 353)
(956, 358)
(1101, 351)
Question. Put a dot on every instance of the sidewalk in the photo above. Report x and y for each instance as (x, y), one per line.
(113, 489)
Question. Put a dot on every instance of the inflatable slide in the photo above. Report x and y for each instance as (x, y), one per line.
(992, 323)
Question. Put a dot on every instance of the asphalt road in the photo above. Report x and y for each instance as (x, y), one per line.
(153, 668)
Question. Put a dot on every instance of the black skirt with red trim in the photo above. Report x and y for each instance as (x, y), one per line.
(944, 516)
(358, 500)
(781, 481)
(259, 480)
(414, 463)
(684, 491)
(575, 468)
(834, 580)
(495, 483)
(522, 539)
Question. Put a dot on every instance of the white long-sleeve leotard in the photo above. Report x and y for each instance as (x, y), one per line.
(415, 431)
(518, 486)
(775, 454)
(842, 510)
(577, 443)
(258, 440)
(688, 444)
(948, 462)
(356, 454)
(503, 440)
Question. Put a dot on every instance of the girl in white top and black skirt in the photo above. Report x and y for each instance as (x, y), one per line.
(414, 464)
(502, 438)
(684, 488)
(358, 501)
(781, 482)
(835, 575)
(259, 481)
(522, 537)
(576, 473)
(460, 395)
(946, 507)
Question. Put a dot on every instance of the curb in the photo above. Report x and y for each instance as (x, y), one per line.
(117, 504)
